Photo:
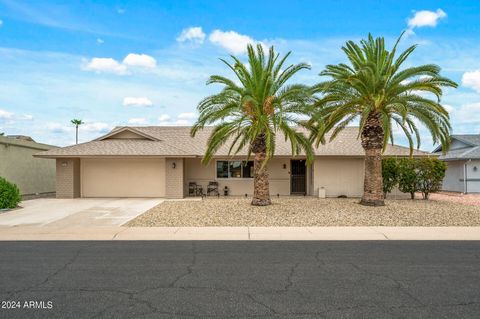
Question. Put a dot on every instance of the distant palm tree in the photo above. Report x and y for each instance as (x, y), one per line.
(252, 109)
(77, 123)
(375, 90)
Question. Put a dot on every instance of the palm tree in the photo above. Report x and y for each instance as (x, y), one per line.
(77, 123)
(252, 109)
(377, 92)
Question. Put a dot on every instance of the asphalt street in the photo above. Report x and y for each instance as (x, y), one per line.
(222, 279)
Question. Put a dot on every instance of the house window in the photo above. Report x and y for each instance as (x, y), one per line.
(247, 169)
(222, 169)
(234, 169)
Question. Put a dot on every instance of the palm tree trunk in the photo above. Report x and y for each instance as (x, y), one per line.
(76, 134)
(261, 187)
(372, 142)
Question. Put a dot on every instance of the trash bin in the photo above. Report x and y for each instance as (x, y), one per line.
(322, 192)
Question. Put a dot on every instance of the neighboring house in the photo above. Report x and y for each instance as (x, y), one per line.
(158, 161)
(32, 175)
(463, 160)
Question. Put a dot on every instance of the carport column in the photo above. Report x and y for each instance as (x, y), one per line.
(174, 178)
(68, 177)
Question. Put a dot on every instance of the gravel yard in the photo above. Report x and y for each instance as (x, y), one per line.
(309, 211)
(467, 199)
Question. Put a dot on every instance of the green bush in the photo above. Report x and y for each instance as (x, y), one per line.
(9, 194)
(389, 174)
(407, 176)
(430, 174)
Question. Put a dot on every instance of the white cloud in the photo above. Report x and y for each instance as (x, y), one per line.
(137, 101)
(12, 117)
(109, 65)
(175, 123)
(100, 41)
(194, 34)
(232, 41)
(449, 108)
(25, 117)
(1, 23)
(140, 60)
(96, 127)
(105, 65)
(424, 18)
(164, 118)
(186, 116)
(59, 128)
(468, 114)
(471, 79)
(137, 120)
(5, 115)
(183, 119)
(89, 127)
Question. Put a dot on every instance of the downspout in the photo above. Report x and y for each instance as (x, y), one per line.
(465, 183)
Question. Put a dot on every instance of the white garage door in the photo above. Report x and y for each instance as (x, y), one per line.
(123, 177)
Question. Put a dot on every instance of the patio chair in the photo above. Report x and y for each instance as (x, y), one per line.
(192, 189)
(212, 188)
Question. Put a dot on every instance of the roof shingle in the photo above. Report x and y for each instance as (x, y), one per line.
(176, 141)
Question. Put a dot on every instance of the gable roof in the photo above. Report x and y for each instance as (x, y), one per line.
(471, 139)
(471, 151)
(121, 129)
(175, 141)
(462, 154)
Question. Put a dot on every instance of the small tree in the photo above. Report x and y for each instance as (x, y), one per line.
(389, 174)
(77, 123)
(9, 194)
(430, 174)
(407, 176)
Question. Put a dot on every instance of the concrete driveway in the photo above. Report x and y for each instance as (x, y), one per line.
(87, 212)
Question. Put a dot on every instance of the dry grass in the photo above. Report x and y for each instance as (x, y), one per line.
(291, 211)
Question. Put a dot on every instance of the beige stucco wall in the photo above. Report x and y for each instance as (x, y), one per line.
(32, 175)
(68, 177)
(174, 178)
(195, 171)
(123, 177)
(339, 176)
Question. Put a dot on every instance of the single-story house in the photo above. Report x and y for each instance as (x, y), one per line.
(156, 161)
(33, 176)
(463, 159)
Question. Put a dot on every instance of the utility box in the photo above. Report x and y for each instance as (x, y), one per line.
(322, 193)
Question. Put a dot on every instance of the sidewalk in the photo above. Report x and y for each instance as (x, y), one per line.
(238, 233)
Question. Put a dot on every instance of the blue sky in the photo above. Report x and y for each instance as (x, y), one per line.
(146, 63)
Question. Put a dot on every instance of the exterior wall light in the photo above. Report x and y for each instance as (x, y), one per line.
(174, 165)
(475, 168)
(64, 164)
(284, 166)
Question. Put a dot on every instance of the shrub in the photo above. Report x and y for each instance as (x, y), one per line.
(9, 194)
(407, 176)
(430, 174)
(389, 174)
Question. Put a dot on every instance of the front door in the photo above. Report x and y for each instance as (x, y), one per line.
(298, 180)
